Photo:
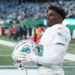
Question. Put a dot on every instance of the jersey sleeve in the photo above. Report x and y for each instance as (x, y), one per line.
(55, 58)
(61, 36)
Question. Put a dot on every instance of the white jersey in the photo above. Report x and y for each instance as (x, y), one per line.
(53, 45)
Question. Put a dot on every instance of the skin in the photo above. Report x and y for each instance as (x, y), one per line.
(53, 18)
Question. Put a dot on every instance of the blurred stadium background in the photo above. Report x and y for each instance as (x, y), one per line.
(29, 17)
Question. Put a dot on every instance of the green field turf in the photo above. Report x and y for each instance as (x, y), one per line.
(5, 55)
(71, 48)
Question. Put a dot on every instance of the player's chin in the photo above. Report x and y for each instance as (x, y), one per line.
(48, 25)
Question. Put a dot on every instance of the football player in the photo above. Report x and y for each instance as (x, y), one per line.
(53, 44)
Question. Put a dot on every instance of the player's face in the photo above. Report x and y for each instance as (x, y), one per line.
(53, 18)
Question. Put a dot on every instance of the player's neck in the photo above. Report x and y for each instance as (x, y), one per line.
(54, 24)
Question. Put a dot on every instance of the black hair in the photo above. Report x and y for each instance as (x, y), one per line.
(59, 10)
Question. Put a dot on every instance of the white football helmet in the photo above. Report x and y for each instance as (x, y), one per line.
(23, 46)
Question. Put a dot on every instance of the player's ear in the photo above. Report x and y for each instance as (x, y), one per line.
(60, 19)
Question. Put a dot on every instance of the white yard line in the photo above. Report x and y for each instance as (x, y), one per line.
(68, 56)
(7, 43)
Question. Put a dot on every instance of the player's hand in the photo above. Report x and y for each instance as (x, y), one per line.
(30, 57)
(19, 56)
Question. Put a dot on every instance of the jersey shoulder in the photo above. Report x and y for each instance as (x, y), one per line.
(60, 27)
(61, 33)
